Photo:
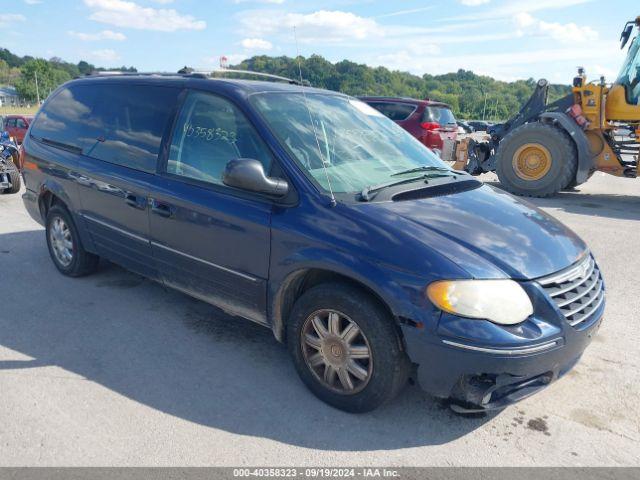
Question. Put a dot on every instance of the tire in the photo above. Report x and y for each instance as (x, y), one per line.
(80, 262)
(387, 366)
(14, 175)
(555, 142)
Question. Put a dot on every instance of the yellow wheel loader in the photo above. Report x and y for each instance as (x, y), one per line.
(548, 147)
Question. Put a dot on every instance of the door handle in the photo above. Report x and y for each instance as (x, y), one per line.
(135, 201)
(162, 209)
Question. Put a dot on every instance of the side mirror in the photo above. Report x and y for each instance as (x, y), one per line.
(248, 174)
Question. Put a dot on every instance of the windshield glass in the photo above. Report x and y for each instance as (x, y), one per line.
(359, 146)
(630, 73)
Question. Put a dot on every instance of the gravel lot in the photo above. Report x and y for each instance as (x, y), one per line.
(113, 369)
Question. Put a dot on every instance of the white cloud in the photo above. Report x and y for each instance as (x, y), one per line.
(126, 14)
(474, 3)
(328, 26)
(406, 12)
(103, 35)
(565, 33)
(105, 55)
(513, 7)
(277, 2)
(9, 18)
(256, 44)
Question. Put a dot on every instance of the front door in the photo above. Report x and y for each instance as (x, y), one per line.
(210, 240)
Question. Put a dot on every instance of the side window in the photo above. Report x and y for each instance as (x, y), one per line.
(121, 124)
(210, 132)
(20, 123)
(394, 111)
(11, 123)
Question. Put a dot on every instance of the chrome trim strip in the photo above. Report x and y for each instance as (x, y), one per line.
(119, 230)
(587, 291)
(206, 262)
(575, 284)
(582, 318)
(500, 351)
(570, 274)
(583, 306)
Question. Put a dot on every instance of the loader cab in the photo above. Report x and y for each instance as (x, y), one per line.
(629, 76)
(623, 99)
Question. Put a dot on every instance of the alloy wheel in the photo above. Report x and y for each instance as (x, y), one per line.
(61, 241)
(336, 351)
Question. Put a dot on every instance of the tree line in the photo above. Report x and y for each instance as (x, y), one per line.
(470, 96)
(21, 72)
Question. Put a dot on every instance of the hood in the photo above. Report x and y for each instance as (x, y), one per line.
(485, 228)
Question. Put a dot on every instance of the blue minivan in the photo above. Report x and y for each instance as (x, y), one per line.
(309, 212)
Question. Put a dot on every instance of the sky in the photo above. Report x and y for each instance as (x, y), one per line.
(505, 39)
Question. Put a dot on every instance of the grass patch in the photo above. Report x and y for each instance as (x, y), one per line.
(19, 110)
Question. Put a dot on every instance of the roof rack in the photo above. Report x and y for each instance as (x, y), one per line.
(249, 72)
(190, 72)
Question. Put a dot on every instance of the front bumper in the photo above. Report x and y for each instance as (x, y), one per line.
(484, 377)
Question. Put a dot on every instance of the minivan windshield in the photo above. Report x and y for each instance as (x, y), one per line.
(359, 146)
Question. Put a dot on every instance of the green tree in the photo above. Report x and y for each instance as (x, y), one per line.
(45, 74)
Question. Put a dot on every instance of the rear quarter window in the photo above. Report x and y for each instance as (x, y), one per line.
(394, 111)
(441, 115)
(121, 124)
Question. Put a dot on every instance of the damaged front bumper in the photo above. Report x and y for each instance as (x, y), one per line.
(478, 377)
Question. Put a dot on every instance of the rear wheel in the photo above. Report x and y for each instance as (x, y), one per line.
(536, 160)
(14, 175)
(346, 348)
(65, 247)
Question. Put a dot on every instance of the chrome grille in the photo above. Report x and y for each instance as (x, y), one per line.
(577, 291)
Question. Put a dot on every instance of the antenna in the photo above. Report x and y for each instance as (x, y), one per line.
(315, 133)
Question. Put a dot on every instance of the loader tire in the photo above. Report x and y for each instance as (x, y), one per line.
(14, 175)
(536, 160)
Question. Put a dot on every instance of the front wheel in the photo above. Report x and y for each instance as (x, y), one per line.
(346, 348)
(536, 160)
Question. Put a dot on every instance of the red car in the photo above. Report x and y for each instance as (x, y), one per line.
(430, 122)
(17, 125)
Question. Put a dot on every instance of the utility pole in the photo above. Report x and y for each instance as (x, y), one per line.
(37, 90)
(485, 105)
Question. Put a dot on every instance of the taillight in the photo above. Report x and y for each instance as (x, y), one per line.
(430, 125)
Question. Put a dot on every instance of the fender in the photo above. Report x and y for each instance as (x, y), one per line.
(585, 159)
(54, 187)
(403, 293)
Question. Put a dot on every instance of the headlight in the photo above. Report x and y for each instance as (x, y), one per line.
(499, 301)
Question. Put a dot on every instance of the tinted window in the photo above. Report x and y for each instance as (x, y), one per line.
(20, 123)
(209, 133)
(394, 111)
(120, 124)
(441, 115)
(11, 123)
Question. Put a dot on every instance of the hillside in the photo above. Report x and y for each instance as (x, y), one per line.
(465, 91)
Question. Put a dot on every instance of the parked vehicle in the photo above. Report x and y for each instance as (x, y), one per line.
(466, 128)
(17, 126)
(9, 174)
(479, 125)
(310, 213)
(430, 122)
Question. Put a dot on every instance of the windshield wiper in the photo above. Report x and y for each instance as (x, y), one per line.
(423, 168)
(366, 192)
